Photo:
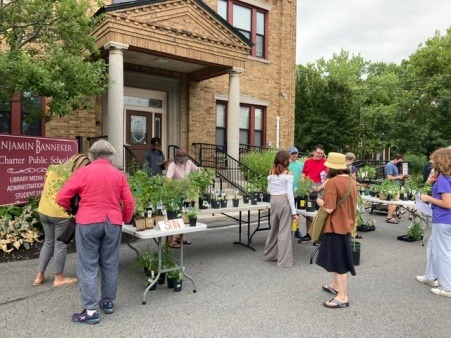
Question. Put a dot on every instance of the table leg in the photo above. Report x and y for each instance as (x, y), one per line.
(158, 274)
(258, 224)
(248, 231)
(314, 253)
(182, 267)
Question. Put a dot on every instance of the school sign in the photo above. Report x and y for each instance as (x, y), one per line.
(24, 161)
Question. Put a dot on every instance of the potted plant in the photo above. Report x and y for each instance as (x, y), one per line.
(148, 261)
(235, 200)
(366, 173)
(415, 233)
(192, 215)
(305, 187)
(200, 182)
(175, 280)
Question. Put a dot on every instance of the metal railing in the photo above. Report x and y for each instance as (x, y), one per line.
(226, 167)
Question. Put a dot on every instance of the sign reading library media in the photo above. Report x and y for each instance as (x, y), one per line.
(24, 161)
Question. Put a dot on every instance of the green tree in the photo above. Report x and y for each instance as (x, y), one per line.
(47, 50)
(426, 105)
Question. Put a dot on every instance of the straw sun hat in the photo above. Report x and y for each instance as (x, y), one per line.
(336, 161)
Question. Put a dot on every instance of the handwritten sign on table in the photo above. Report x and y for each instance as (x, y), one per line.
(171, 224)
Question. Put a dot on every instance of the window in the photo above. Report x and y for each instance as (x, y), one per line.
(5, 117)
(251, 123)
(22, 117)
(31, 123)
(250, 21)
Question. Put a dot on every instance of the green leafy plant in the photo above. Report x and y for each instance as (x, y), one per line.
(260, 162)
(415, 231)
(366, 172)
(192, 213)
(18, 227)
(199, 182)
(305, 186)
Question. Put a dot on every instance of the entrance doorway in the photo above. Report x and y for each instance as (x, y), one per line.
(141, 127)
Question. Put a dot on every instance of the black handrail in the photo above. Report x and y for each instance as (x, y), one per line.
(226, 167)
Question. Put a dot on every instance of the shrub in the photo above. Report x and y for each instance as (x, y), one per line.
(416, 162)
(18, 227)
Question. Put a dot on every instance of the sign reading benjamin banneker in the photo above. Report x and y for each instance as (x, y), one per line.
(24, 161)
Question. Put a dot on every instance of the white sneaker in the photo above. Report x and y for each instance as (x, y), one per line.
(423, 279)
(441, 292)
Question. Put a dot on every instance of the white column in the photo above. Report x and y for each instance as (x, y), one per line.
(233, 113)
(115, 126)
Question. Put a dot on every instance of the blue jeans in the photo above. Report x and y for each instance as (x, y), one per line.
(97, 246)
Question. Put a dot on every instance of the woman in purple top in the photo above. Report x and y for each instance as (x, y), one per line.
(438, 265)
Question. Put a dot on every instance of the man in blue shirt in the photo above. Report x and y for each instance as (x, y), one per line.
(295, 167)
(391, 173)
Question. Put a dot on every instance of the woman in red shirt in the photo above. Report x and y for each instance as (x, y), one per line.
(105, 203)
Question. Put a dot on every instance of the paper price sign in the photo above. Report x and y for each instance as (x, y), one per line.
(171, 224)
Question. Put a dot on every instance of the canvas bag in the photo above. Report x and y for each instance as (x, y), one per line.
(319, 222)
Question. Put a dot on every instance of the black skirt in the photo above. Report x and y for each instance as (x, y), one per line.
(335, 254)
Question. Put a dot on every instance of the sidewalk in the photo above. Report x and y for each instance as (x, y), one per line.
(239, 294)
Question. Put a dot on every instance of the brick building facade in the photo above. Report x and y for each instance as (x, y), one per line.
(192, 71)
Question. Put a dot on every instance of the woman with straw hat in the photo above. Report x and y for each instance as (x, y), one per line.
(335, 254)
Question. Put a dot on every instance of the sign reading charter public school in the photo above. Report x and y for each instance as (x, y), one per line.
(24, 161)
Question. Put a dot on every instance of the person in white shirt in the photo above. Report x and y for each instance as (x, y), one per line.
(283, 211)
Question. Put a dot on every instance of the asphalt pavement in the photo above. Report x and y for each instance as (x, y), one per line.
(240, 294)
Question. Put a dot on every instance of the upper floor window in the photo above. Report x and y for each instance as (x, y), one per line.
(250, 21)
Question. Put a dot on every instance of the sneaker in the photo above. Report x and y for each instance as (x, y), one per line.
(298, 234)
(423, 279)
(305, 239)
(107, 307)
(441, 292)
(84, 318)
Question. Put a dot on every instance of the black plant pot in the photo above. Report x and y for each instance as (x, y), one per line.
(192, 222)
(356, 249)
(407, 238)
(162, 278)
(254, 200)
(177, 285)
(215, 204)
(266, 197)
(223, 203)
(246, 198)
(201, 202)
(235, 202)
(302, 203)
(170, 283)
(171, 214)
(311, 206)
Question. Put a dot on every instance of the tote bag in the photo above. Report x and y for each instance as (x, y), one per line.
(318, 224)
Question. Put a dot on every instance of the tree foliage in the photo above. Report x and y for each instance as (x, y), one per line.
(47, 50)
(405, 106)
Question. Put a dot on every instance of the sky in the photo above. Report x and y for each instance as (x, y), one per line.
(378, 30)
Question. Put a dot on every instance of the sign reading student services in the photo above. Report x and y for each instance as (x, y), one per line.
(24, 161)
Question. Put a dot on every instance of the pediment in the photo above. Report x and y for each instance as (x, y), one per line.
(191, 18)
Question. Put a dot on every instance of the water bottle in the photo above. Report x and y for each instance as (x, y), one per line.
(323, 175)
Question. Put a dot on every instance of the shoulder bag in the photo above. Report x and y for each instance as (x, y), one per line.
(319, 222)
(69, 233)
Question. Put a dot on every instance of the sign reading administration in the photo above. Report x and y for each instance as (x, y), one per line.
(24, 161)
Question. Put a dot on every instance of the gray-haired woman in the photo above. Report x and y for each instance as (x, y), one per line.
(105, 203)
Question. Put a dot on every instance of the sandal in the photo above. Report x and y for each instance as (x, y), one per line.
(330, 289)
(334, 303)
(391, 220)
(185, 241)
(174, 245)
